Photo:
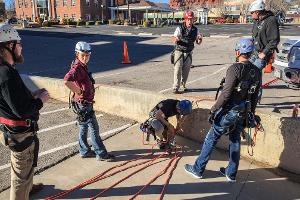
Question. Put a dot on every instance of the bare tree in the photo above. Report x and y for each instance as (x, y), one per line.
(277, 5)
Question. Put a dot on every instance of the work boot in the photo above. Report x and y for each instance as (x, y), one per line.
(175, 91)
(90, 154)
(184, 88)
(36, 188)
(107, 157)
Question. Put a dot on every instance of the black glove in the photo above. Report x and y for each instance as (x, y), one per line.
(211, 117)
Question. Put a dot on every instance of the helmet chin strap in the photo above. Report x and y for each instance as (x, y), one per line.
(12, 51)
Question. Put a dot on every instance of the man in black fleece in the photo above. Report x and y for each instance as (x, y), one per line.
(265, 34)
(19, 113)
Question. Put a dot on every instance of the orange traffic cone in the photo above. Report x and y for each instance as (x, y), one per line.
(126, 59)
(268, 68)
(295, 111)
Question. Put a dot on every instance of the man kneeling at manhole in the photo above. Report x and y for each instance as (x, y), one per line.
(81, 83)
(158, 124)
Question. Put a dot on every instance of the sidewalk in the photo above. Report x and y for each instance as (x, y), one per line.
(260, 184)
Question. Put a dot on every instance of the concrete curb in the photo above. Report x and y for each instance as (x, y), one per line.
(274, 146)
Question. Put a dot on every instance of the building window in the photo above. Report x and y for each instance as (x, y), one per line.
(97, 3)
(66, 16)
(56, 3)
(88, 2)
(65, 2)
(58, 17)
(20, 3)
(25, 3)
(73, 16)
(31, 3)
(73, 3)
(87, 17)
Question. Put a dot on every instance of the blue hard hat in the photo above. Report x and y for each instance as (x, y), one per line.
(244, 45)
(185, 107)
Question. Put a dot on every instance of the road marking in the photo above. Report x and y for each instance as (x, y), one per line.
(100, 43)
(166, 35)
(198, 79)
(104, 136)
(113, 74)
(219, 36)
(42, 71)
(61, 125)
(54, 111)
(145, 34)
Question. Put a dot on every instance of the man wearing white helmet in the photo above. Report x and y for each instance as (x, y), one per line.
(265, 33)
(81, 83)
(19, 113)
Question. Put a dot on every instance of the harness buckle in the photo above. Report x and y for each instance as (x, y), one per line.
(28, 122)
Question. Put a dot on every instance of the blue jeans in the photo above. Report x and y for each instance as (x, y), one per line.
(226, 120)
(260, 64)
(97, 143)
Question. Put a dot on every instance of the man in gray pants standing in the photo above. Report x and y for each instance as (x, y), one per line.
(184, 38)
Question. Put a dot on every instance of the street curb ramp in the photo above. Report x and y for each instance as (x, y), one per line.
(277, 147)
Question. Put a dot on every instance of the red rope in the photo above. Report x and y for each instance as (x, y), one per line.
(123, 179)
(265, 85)
(100, 176)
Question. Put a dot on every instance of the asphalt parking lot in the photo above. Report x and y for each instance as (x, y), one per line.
(49, 53)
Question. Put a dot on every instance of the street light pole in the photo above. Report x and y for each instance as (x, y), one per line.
(102, 13)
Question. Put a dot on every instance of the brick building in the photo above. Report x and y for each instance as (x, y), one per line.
(176, 4)
(59, 9)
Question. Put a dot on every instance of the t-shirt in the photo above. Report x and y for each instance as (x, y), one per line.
(168, 107)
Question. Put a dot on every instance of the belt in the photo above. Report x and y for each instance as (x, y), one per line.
(11, 122)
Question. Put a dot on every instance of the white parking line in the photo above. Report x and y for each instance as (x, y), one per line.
(104, 136)
(100, 43)
(61, 125)
(198, 79)
(113, 74)
(54, 111)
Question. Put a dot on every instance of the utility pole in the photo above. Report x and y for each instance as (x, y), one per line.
(129, 14)
(102, 13)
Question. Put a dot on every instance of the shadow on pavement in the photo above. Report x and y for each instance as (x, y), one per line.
(260, 186)
(50, 54)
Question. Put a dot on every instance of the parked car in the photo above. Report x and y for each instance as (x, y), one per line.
(220, 20)
(13, 20)
(287, 62)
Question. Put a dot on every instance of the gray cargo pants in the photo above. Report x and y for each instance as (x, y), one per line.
(181, 68)
(21, 170)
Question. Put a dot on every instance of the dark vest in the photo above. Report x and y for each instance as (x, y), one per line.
(186, 43)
